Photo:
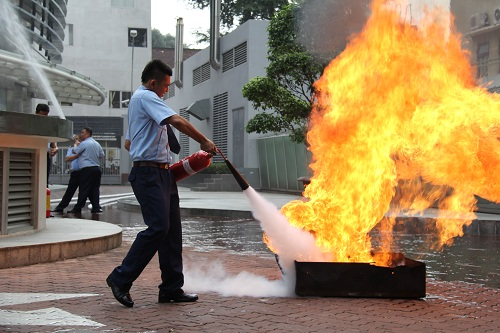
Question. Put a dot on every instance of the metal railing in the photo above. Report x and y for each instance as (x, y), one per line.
(110, 166)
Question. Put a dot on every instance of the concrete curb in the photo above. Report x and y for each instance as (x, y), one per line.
(62, 239)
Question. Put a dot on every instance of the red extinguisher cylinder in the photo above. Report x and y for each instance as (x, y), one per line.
(190, 165)
(47, 204)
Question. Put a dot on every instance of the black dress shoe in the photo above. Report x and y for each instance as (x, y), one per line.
(177, 298)
(75, 211)
(95, 211)
(121, 295)
(57, 210)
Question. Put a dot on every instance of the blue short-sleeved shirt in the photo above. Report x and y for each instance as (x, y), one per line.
(147, 134)
(89, 151)
(74, 163)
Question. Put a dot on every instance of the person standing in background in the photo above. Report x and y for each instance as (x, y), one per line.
(88, 153)
(43, 110)
(74, 178)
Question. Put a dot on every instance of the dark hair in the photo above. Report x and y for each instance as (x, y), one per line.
(155, 70)
(89, 130)
(42, 108)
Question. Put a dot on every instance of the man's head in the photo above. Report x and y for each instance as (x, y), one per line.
(42, 109)
(156, 77)
(85, 133)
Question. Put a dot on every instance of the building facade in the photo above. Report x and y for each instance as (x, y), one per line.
(109, 41)
(479, 22)
(211, 99)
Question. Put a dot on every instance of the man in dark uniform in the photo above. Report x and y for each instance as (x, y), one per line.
(151, 141)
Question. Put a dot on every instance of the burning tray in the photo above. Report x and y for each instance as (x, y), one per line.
(339, 279)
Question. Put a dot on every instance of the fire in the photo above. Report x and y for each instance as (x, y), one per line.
(399, 123)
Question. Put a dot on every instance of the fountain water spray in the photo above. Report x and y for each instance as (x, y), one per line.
(15, 34)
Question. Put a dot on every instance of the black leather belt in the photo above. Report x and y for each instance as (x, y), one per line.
(151, 164)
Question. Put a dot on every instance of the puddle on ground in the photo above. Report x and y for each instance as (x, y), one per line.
(471, 259)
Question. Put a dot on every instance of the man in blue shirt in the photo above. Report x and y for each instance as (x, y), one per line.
(155, 188)
(88, 153)
(74, 178)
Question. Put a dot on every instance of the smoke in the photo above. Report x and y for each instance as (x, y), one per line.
(212, 277)
(326, 26)
(289, 243)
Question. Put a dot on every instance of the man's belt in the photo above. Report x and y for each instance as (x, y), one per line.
(151, 164)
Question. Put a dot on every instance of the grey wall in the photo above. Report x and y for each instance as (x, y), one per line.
(100, 48)
(254, 33)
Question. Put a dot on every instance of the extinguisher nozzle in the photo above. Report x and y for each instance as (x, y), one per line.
(239, 178)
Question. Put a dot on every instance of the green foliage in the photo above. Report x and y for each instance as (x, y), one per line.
(162, 41)
(243, 10)
(286, 94)
(216, 168)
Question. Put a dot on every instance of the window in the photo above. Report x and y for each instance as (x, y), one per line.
(240, 54)
(171, 91)
(483, 54)
(234, 57)
(68, 34)
(227, 61)
(141, 40)
(201, 74)
(220, 124)
(118, 99)
(125, 98)
(183, 138)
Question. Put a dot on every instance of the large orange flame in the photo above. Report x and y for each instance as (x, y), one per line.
(397, 112)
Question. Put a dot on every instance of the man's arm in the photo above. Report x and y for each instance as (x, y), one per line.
(53, 149)
(71, 158)
(187, 128)
(127, 144)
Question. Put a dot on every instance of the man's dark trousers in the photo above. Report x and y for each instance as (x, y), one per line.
(74, 181)
(90, 182)
(156, 192)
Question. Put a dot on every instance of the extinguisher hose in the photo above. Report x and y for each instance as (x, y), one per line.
(239, 178)
(220, 152)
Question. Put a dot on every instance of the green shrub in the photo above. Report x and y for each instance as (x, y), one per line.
(217, 168)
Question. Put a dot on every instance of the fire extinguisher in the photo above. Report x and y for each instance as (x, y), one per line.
(47, 204)
(190, 165)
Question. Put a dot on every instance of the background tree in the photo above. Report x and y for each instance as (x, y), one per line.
(243, 10)
(287, 91)
(159, 40)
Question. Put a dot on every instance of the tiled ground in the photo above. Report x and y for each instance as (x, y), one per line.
(448, 307)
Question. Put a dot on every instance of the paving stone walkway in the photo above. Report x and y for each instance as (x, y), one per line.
(448, 307)
(72, 296)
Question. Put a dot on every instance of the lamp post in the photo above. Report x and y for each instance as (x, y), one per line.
(133, 34)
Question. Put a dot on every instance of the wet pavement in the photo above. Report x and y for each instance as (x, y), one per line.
(470, 258)
(239, 284)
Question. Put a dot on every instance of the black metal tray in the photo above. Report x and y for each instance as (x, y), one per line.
(340, 279)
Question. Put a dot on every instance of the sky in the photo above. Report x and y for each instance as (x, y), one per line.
(164, 14)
